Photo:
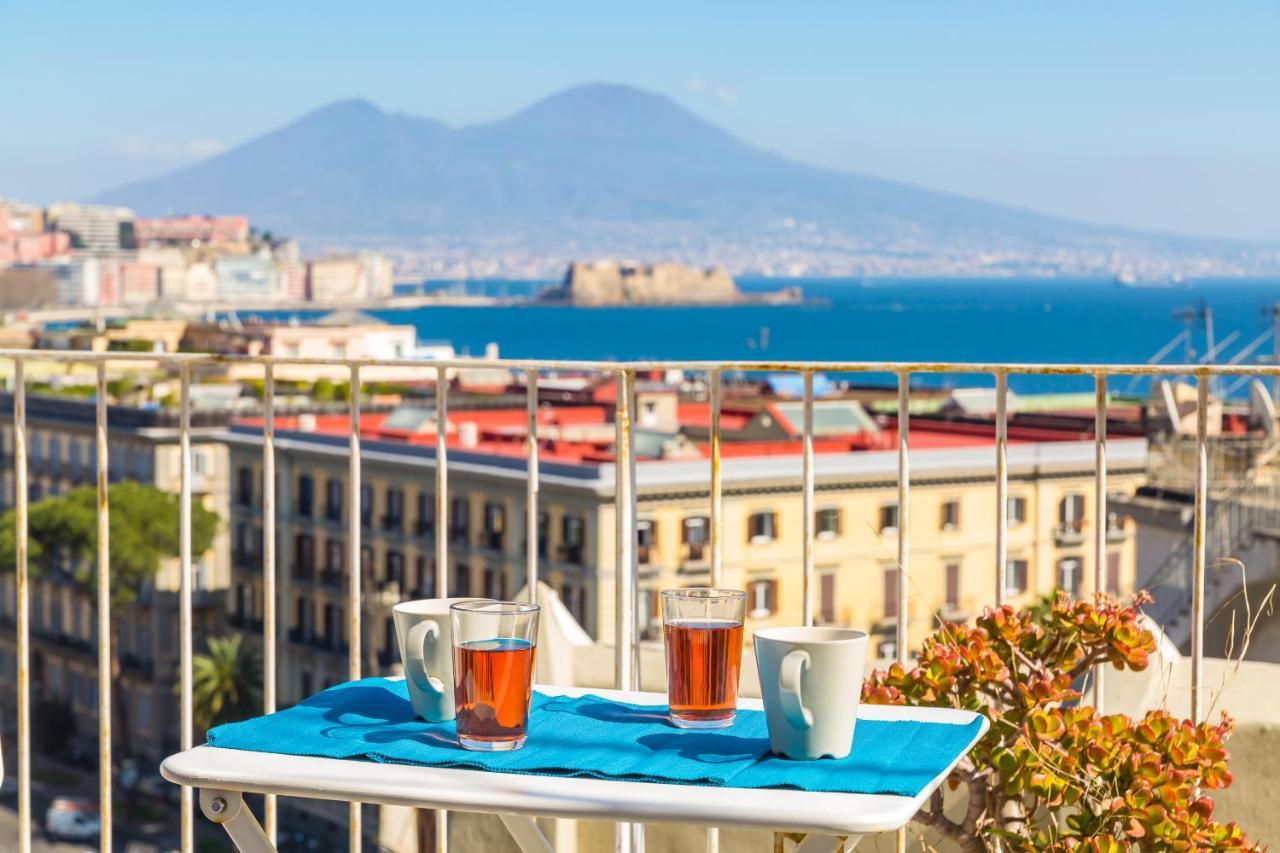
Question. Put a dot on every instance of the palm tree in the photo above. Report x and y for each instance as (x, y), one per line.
(226, 683)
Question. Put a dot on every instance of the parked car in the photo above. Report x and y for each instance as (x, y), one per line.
(73, 819)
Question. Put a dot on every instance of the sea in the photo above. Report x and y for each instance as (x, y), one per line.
(959, 320)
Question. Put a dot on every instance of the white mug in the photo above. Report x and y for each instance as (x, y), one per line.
(811, 681)
(422, 629)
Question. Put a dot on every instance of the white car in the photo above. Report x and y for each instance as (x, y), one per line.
(73, 819)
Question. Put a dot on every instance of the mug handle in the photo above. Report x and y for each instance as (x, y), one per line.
(793, 667)
(415, 668)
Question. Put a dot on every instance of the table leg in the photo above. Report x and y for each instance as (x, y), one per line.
(227, 808)
(525, 831)
(827, 844)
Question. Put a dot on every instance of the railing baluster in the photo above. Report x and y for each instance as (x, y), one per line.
(441, 821)
(269, 567)
(531, 487)
(902, 627)
(1100, 511)
(104, 626)
(624, 551)
(354, 519)
(1198, 555)
(187, 709)
(1002, 486)
(23, 594)
(717, 509)
(807, 501)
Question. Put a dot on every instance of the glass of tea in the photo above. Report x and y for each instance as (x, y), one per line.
(493, 645)
(702, 629)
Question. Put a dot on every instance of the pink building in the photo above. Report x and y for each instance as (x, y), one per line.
(139, 283)
(192, 229)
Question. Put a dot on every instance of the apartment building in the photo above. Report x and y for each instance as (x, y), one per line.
(62, 454)
(96, 228)
(952, 523)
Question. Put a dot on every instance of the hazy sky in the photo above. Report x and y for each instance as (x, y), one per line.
(1160, 115)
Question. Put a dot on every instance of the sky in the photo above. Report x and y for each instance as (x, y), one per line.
(1162, 116)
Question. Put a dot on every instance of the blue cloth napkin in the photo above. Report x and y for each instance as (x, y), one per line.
(589, 736)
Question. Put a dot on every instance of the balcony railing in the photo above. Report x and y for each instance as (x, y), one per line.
(626, 627)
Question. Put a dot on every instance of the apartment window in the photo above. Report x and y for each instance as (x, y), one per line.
(393, 517)
(366, 505)
(495, 524)
(395, 568)
(241, 555)
(1069, 574)
(243, 604)
(1115, 522)
(244, 486)
(304, 678)
(304, 619)
(888, 519)
(426, 522)
(572, 534)
(495, 583)
(646, 533)
(426, 578)
(762, 597)
(461, 580)
(304, 555)
(694, 535)
(305, 495)
(333, 556)
(1071, 513)
(459, 519)
(762, 527)
(334, 626)
(1015, 581)
(1113, 573)
(826, 523)
(890, 575)
(950, 516)
(544, 533)
(827, 597)
(333, 499)
(366, 562)
(1016, 511)
(951, 579)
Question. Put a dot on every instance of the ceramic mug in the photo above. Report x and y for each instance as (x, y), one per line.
(422, 629)
(811, 681)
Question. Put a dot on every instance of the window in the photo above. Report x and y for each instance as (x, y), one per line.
(762, 597)
(395, 568)
(244, 486)
(366, 562)
(827, 597)
(1071, 513)
(1015, 580)
(426, 522)
(426, 577)
(304, 556)
(459, 519)
(1113, 573)
(241, 546)
(572, 536)
(333, 626)
(950, 516)
(646, 532)
(1069, 574)
(1115, 523)
(338, 349)
(951, 572)
(304, 615)
(888, 519)
(393, 517)
(366, 505)
(495, 583)
(544, 533)
(826, 523)
(762, 527)
(891, 592)
(333, 499)
(1016, 511)
(495, 524)
(305, 489)
(304, 677)
(694, 535)
(461, 580)
(333, 557)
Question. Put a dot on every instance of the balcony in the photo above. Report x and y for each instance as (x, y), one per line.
(787, 477)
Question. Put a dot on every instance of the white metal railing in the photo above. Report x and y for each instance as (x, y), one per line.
(626, 638)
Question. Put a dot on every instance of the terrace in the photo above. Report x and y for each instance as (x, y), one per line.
(608, 434)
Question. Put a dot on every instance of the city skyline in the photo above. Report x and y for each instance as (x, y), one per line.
(1107, 115)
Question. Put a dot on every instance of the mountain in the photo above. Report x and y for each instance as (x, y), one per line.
(598, 169)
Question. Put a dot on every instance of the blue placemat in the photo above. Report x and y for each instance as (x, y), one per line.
(598, 738)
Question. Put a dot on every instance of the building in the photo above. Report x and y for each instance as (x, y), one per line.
(96, 228)
(856, 518)
(248, 277)
(191, 230)
(143, 446)
(349, 277)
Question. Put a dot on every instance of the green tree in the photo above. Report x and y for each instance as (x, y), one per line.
(226, 683)
(143, 529)
(323, 391)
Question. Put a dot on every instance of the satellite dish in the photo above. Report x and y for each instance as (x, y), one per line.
(1262, 409)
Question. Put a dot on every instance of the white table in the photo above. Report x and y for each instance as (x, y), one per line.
(222, 775)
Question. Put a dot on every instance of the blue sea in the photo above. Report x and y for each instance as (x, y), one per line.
(1029, 320)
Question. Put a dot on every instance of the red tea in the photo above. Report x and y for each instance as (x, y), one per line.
(493, 683)
(703, 660)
